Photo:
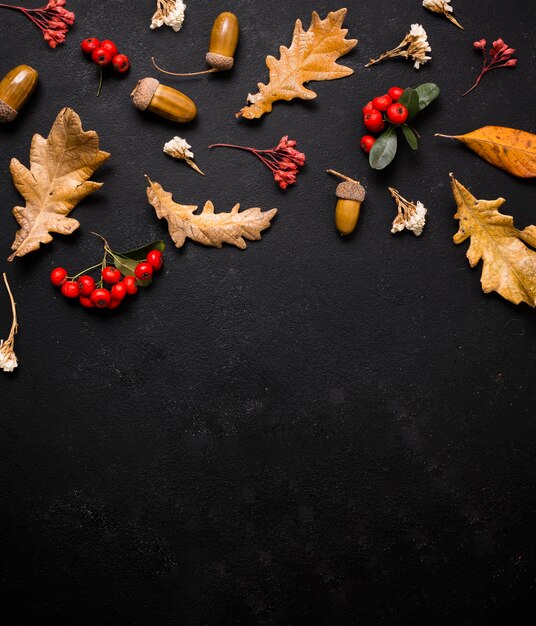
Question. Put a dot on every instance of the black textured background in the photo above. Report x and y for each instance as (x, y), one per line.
(314, 430)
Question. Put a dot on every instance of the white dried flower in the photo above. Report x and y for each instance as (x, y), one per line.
(8, 358)
(414, 46)
(441, 6)
(410, 216)
(179, 148)
(170, 13)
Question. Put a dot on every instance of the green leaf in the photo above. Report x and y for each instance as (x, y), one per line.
(127, 266)
(140, 254)
(384, 150)
(427, 93)
(411, 137)
(410, 99)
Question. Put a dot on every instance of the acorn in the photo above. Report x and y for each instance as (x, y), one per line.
(164, 101)
(15, 88)
(223, 41)
(350, 195)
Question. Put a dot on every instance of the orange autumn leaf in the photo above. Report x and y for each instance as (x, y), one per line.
(509, 149)
(207, 227)
(508, 255)
(312, 56)
(58, 179)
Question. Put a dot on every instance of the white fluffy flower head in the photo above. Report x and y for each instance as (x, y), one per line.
(178, 148)
(437, 6)
(411, 216)
(170, 13)
(414, 46)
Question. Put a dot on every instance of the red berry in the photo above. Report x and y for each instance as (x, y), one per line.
(101, 56)
(368, 108)
(130, 285)
(90, 44)
(397, 113)
(111, 275)
(155, 259)
(382, 103)
(86, 302)
(114, 304)
(121, 63)
(109, 45)
(373, 120)
(101, 298)
(367, 142)
(395, 93)
(70, 289)
(144, 271)
(118, 291)
(58, 276)
(86, 285)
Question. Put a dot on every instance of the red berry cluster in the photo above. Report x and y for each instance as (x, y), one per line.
(104, 53)
(374, 118)
(94, 295)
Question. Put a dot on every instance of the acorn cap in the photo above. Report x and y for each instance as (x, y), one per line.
(219, 61)
(7, 113)
(350, 191)
(143, 92)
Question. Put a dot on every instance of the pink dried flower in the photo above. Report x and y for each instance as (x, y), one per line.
(500, 55)
(53, 20)
(284, 160)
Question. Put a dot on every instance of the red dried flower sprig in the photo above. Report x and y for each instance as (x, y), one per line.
(500, 55)
(284, 160)
(53, 20)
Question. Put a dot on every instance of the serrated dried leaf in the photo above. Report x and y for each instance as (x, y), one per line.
(508, 149)
(509, 265)
(207, 227)
(312, 55)
(57, 180)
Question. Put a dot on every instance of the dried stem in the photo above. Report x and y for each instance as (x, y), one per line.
(211, 71)
(453, 19)
(14, 325)
(343, 176)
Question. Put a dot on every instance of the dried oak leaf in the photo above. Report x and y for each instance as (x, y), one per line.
(57, 180)
(509, 149)
(509, 266)
(311, 56)
(207, 227)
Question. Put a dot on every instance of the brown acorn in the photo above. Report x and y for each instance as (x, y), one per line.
(163, 101)
(350, 195)
(222, 46)
(15, 88)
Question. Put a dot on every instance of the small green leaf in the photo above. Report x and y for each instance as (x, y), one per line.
(410, 99)
(411, 137)
(427, 93)
(127, 266)
(140, 254)
(384, 150)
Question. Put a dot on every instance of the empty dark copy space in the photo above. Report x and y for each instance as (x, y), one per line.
(315, 430)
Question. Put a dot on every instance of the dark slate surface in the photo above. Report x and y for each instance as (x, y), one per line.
(313, 430)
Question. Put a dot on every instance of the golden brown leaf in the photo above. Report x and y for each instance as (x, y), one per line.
(311, 56)
(57, 180)
(509, 266)
(207, 227)
(506, 148)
